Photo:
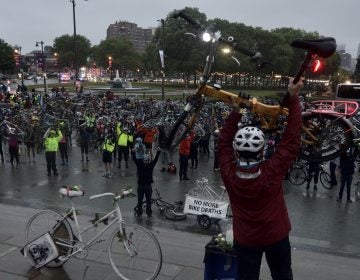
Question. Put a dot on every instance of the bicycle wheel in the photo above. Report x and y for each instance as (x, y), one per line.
(325, 180)
(333, 136)
(135, 253)
(48, 221)
(357, 191)
(174, 214)
(297, 176)
(204, 221)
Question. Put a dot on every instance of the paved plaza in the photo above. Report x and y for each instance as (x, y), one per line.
(325, 233)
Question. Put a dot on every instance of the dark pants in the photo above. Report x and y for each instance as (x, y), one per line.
(123, 151)
(14, 154)
(216, 160)
(183, 160)
(84, 148)
(278, 257)
(144, 190)
(345, 180)
(194, 158)
(333, 180)
(63, 152)
(1, 151)
(51, 162)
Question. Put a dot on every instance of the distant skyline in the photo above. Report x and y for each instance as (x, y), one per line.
(24, 22)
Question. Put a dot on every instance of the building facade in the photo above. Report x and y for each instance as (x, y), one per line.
(140, 37)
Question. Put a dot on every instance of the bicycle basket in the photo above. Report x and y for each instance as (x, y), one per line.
(40, 251)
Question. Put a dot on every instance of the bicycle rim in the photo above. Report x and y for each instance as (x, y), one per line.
(325, 180)
(173, 215)
(333, 134)
(59, 229)
(145, 260)
(297, 176)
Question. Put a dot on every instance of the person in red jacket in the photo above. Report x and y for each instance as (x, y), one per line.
(261, 222)
(184, 155)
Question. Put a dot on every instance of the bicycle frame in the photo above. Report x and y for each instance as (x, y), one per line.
(313, 136)
(71, 214)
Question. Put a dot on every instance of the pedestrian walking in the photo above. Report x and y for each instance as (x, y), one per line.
(124, 143)
(260, 218)
(184, 155)
(108, 149)
(1, 146)
(194, 153)
(216, 149)
(332, 165)
(313, 173)
(14, 146)
(52, 139)
(145, 168)
(63, 147)
(84, 139)
(347, 170)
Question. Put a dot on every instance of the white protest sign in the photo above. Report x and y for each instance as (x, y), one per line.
(212, 208)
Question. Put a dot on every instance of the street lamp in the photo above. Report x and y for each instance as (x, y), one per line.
(162, 57)
(75, 43)
(43, 63)
(18, 53)
(110, 66)
(57, 65)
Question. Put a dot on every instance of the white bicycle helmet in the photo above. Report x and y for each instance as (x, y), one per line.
(249, 139)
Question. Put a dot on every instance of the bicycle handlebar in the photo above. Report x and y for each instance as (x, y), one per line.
(101, 195)
(229, 42)
(123, 194)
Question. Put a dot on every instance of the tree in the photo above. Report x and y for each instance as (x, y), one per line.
(122, 54)
(7, 61)
(356, 75)
(64, 47)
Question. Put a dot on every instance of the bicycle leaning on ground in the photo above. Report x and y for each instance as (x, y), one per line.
(299, 173)
(172, 211)
(134, 252)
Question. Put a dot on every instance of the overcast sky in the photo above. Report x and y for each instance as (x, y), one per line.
(23, 22)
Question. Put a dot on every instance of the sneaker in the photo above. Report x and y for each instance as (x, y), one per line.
(349, 201)
(338, 199)
(109, 175)
(315, 188)
(308, 187)
(186, 178)
(126, 165)
(56, 174)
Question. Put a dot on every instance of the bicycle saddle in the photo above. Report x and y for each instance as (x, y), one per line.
(324, 47)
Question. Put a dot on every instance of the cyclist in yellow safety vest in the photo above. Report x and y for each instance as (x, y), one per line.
(90, 120)
(108, 149)
(51, 143)
(124, 144)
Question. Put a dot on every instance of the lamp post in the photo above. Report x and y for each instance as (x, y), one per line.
(18, 52)
(75, 43)
(110, 67)
(43, 63)
(57, 65)
(162, 21)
